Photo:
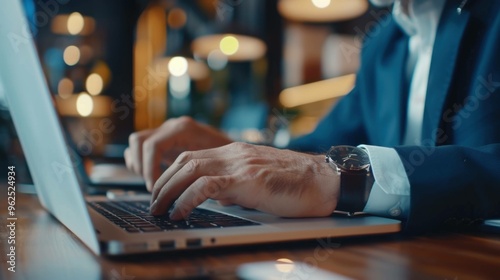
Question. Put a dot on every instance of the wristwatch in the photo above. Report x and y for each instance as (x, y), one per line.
(356, 179)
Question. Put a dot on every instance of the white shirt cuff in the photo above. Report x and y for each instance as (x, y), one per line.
(390, 194)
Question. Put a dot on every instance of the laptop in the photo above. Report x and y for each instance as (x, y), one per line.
(123, 225)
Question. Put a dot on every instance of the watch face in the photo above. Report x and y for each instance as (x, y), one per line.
(349, 158)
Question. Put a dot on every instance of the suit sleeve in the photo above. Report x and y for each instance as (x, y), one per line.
(339, 127)
(451, 185)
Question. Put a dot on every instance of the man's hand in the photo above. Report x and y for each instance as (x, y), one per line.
(280, 182)
(149, 149)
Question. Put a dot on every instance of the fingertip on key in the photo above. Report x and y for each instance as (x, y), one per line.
(149, 185)
(176, 214)
(153, 208)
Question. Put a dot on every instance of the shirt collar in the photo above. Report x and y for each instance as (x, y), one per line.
(422, 18)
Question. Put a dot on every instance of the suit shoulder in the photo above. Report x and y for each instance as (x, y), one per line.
(380, 37)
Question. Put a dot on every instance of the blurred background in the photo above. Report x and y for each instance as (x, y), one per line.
(263, 71)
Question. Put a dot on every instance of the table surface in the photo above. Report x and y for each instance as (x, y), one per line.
(45, 249)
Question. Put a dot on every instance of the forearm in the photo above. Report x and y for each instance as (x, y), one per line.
(450, 184)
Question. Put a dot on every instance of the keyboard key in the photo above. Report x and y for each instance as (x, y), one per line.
(131, 215)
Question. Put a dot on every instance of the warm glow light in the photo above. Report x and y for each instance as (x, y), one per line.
(284, 265)
(75, 23)
(234, 47)
(322, 10)
(84, 104)
(71, 55)
(176, 18)
(65, 88)
(229, 45)
(321, 3)
(94, 84)
(72, 24)
(317, 91)
(178, 66)
(102, 69)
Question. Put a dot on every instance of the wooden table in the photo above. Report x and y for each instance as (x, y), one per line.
(47, 250)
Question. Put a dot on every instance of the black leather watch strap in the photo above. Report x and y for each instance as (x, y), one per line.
(354, 191)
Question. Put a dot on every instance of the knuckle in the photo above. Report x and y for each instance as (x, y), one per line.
(137, 138)
(193, 165)
(184, 121)
(205, 181)
(263, 173)
(133, 138)
(251, 171)
(252, 159)
(212, 186)
(240, 146)
(184, 157)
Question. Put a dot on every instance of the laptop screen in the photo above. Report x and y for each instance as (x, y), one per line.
(38, 126)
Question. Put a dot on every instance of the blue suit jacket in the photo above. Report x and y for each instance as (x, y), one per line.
(455, 174)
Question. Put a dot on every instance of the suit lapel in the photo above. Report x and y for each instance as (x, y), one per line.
(446, 46)
(393, 82)
(401, 85)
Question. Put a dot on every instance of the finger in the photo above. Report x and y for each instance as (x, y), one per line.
(160, 144)
(178, 164)
(128, 158)
(165, 195)
(183, 159)
(151, 162)
(136, 141)
(206, 187)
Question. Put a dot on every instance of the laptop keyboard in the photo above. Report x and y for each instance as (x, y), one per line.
(134, 217)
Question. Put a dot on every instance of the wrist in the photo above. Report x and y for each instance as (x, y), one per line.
(328, 181)
(353, 165)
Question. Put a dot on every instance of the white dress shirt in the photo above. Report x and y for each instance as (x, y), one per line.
(390, 195)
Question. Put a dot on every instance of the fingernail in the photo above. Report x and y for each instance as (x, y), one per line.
(152, 208)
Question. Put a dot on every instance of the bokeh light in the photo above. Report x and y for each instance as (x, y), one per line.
(176, 18)
(178, 66)
(94, 84)
(229, 45)
(284, 265)
(321, 3)
(65, 88)
(71, 55)
(84, 104)
(75, 23)
(216, 60)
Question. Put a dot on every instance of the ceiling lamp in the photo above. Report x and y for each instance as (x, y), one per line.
(234, 47)
(72, 24)
(178, 66)
(321, 10)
